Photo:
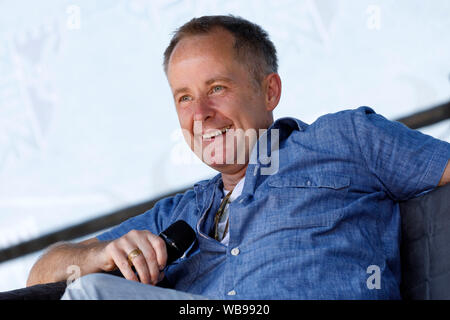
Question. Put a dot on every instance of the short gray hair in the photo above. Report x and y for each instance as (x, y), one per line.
(252, 44)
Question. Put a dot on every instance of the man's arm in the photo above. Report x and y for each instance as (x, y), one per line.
(446, 176)
(54, 265)
(92, 256)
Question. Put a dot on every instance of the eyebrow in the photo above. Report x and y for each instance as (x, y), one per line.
(223, 79)
(207, 82)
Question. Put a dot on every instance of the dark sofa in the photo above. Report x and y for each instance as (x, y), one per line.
(425, 246)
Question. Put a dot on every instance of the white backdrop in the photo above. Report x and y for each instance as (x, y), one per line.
(87, 122)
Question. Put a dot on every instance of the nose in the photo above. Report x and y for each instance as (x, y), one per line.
(203, 109)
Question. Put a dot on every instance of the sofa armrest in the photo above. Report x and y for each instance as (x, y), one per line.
(425, 246)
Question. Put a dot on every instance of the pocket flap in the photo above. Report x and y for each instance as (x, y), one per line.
(311, 181)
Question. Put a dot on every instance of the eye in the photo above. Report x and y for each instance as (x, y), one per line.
(184, 99)
(217, 88)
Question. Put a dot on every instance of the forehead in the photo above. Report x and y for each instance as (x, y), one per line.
(216, 45)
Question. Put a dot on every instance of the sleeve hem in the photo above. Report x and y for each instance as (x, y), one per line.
(105, 236)
(437, 165)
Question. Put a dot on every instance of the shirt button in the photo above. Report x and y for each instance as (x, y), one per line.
(232, 293)
(308, 183)
(235, 251)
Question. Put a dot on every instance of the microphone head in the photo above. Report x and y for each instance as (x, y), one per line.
(179, 236)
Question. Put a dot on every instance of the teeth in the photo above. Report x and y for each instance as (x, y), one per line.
(216, 133)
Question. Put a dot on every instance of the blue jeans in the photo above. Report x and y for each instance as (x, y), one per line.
(99, 286)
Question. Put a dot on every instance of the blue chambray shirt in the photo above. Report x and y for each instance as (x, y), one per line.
(312, 229)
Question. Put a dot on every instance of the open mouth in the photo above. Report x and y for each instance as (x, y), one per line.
(211, 135)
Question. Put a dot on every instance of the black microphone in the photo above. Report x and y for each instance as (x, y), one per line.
(178, 237)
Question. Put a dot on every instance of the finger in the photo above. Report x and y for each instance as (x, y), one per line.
(150, 257)
(121, 261)
(140, 264)
(159, 245)
(129, 243)
(146, 264)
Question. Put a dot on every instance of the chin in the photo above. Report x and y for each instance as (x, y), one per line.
(227, 168)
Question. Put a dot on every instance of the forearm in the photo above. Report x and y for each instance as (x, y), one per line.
(54, 265)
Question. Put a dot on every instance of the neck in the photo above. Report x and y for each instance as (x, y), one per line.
(230, 180)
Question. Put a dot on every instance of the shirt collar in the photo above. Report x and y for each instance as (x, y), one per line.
(289, 122)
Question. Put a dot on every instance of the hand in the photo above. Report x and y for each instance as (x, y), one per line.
(148, 265)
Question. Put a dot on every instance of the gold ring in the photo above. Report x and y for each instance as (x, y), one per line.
(133, 254)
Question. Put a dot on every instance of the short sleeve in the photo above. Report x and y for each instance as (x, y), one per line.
(154, 220)
(405, 161)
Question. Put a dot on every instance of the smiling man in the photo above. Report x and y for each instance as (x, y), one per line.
(220, 87)
(309, 228)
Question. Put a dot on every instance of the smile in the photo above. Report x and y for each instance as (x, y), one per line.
(216, 132)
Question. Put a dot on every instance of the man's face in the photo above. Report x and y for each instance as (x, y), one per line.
(213, 91)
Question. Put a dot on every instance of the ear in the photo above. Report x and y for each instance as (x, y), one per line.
(273, 90)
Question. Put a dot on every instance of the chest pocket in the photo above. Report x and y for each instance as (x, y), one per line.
(307, 200)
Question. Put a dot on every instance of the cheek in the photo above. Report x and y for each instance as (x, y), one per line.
(255, 113)
(187, 125)
(246, 113)
(185, 118)
(230, 106)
